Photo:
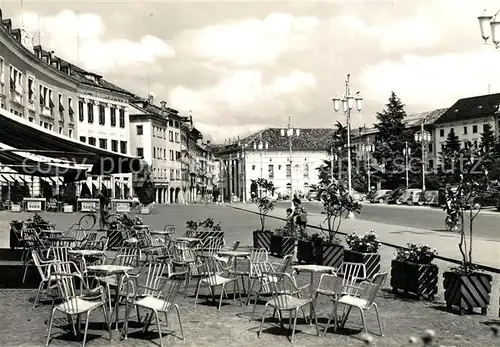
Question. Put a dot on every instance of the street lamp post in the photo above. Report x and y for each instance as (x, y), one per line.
(347, 105)
(494, 28)
(243, 169)
(407, 153)
(368, 149)
(423, 137)
(290, 132)
(261, 146)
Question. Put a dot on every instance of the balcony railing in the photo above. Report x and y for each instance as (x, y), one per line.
(16, 97)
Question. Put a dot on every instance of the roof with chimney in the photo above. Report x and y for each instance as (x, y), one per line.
(473, 107)
(428, 117)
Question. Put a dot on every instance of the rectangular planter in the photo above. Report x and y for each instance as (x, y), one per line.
(15, 208)
(467, 292)
(371, 261)
(204, 236)
(417, 279)
(68, 208)
(145, 210)
(282, 246)
(332, 255)
(305, 252)
(262, 239)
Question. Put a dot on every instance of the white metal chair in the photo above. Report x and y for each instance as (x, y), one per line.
(281, 286)
(75, 304)
(361, 297)
(161, 300)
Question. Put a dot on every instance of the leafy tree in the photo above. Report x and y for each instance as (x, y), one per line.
(390, 141)
(488, 142)
(450, 157)
(264, 203)
(146, 194)
(337, 204)
(473, 184)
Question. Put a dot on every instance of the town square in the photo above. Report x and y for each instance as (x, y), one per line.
(235, 173)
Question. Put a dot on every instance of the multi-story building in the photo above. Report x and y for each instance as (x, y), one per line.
(467, 117)
(244, 161)
(155, 137)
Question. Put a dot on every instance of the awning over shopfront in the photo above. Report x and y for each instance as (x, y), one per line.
(21, 134)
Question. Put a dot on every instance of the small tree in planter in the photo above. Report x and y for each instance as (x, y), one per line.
(262, 236)
(472, 186)
(204, 229)
(337, 204)
(364, 250)
(412, 271)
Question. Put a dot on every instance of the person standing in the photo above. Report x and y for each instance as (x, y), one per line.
(103, 209)
(300, 215)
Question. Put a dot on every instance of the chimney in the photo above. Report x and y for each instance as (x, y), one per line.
(208, 142)
(191, 120)
(151, 98)
(164, 109)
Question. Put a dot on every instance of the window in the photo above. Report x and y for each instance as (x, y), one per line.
(113, 116)
(122, 118)
(92, 141)
(82, 139)
(103, 143)
(172, 174)
(170, 123)
(431, 163)
(271, 171)
(70, 107)
(430, 147)
(123, 147)
(81, 116)
(16, 80)
(2, 69)
(171, 136)
(60, 102)
(51, 101)
(45, 97)
(61, 130)
(177, 174)
(154, 131)
(177, 137)
(465, 130)
(114, 145)
(306, 171)
(140, 130)
(177, 155)
(102, 115)
(171, 153)
(474, 129)
(176, 124)
(90, 112)
(140, 152)
(441, 132)
(288, 171)
(70, 132)
(31, 88)
(484, 127)
(154, 152)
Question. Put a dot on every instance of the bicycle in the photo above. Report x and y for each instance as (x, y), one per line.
(454, 222)
(89, 220)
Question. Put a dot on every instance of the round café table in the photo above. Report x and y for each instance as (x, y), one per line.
(236, 255)
(312, 269)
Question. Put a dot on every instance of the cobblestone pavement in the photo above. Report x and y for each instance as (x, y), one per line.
(21, 325)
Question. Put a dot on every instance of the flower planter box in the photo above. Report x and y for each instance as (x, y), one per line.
(282, 246)
(371, 261)
(467, 291)
(331, 255)
(145, 210)
(305, 252)
(262, 239)
(417, 279)
(204, 237)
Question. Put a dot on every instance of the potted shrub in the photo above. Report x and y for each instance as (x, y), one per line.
(465, 286)
(338, 205)
(364, 250)
(262, 236)
(204, 229)
(412, 271)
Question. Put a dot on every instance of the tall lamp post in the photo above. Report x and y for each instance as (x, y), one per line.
(347, 105)
(368, 148)
(243, 168)
(407, 153)
(423, 137)
(290, 132)
(261, 146)
(493, 31)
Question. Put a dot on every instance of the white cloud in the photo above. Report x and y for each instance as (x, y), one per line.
(251, 41)
(60, 33)
(240, 93)
(436, 81)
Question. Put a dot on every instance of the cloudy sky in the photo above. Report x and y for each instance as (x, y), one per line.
(240, 66)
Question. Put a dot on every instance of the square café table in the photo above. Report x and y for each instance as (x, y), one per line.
(312, 268)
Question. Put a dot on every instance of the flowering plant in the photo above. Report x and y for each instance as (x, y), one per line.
(364, 244)
(420, 254)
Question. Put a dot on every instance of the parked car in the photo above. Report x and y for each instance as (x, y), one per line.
(358, 196)
(395, 195)
(371, 195)
(430, 198)
(409, 196)
(381, 196)
(312, 195)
